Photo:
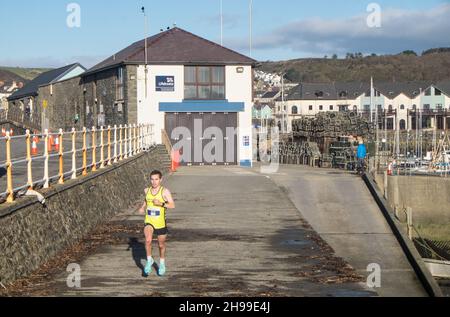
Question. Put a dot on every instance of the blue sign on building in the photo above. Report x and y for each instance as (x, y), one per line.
(165, 83)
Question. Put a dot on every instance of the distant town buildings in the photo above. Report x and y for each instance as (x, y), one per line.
(401, 105)
(6, 90)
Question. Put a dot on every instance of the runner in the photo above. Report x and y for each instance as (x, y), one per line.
(157, 200)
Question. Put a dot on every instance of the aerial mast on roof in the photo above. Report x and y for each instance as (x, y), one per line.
(251, 28)
(221, 22)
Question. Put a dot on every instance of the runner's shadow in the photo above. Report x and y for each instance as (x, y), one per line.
(138, 252)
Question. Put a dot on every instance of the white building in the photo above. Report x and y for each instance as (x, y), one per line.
(399, 104)
(196, 91)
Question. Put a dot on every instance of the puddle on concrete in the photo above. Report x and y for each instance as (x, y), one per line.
(295, 242)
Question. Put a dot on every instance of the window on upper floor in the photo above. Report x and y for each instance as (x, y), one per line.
(426, 107)
(331, 108)
(402, 107)
(428, 92)
(402, 124)
(294, 110)
(204, 82)
(437, 92)
(120, 84)
(343, 94)
(320, 107)
(310, 108)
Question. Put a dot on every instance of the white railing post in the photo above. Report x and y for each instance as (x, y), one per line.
(46, 157)
(115, 144)
(102, 148)
(109, 146)
(74, 154)
(126, 142)
(29, 160)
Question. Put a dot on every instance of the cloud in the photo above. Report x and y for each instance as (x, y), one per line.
(230, 21)
(400, 30)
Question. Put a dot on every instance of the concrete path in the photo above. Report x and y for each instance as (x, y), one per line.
(234, 233)
(341, 209)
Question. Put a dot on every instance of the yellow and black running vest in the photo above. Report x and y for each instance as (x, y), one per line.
(155, 216)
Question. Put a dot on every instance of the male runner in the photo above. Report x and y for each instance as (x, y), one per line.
(157, 200)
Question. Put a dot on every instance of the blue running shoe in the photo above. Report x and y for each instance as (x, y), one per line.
(162, 269)
(148, 267)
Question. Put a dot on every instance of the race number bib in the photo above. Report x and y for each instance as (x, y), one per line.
(153, 212)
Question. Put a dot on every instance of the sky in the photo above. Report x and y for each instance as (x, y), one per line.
(35, 33)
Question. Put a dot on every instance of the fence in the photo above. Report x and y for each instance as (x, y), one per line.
(102, 147)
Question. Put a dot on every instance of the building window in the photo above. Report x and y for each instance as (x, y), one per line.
(204, 82)
(437, 92)
(414, 107)
(390, 124)
(310, 108)
(355, 108)
(320, 107)
(426, 107)
(367, 108)
(402, 124)
(331, 108)
(390, 108)
(294, 110)
(439, 106)
(120, 87)
(428, 92)
(402, 107)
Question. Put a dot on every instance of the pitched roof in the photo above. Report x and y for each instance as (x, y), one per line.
(444, 86)
(52, 76)
(313, 91)
(270, 94)
(352, 90)
(392, 89)
(175, 46)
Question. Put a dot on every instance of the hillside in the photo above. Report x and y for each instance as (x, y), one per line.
(9, 77)
(433, 66)
(23, 74)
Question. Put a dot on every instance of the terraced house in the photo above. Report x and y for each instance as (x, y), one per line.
(400, 105)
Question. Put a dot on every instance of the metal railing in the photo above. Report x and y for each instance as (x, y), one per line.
(26, 120)
(101, 147)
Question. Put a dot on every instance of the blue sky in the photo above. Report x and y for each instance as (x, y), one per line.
(35, 33)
